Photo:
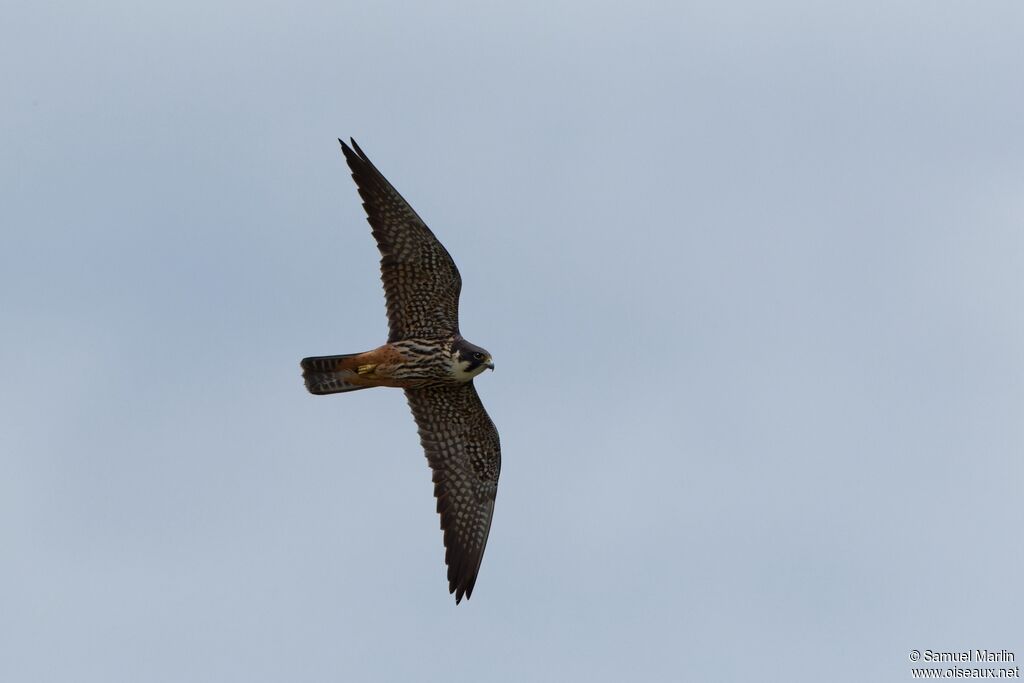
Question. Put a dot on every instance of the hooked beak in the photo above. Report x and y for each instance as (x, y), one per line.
(489, 364)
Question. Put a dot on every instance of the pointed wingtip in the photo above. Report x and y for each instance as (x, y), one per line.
(355, 146)
(458, 589)
(348, 148)
(352, 158)
(462, 589)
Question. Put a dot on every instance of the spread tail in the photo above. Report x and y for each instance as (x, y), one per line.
(330, 374)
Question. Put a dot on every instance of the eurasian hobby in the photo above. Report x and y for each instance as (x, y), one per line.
(426, 356)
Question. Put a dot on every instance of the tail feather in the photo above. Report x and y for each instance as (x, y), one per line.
(330, 374)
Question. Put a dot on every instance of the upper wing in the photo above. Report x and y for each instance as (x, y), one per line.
(421, 282)
(463, 451)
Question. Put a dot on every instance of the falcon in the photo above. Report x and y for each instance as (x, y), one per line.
(427, 357)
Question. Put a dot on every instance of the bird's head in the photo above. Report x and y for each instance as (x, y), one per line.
(469, 360)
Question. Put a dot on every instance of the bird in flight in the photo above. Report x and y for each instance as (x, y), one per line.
(427, 357)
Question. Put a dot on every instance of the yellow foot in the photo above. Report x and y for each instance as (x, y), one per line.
(366, 369)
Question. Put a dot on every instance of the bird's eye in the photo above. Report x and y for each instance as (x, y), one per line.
(478, 356)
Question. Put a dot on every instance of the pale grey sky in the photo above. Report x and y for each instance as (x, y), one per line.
(751, 274)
